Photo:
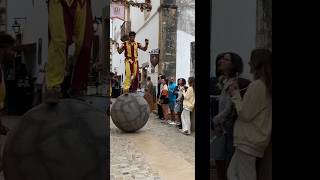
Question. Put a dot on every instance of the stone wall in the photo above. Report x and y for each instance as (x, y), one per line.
(264, 40)
(193, 59)
(193, 120)
(3, 23)
(192, 73)
(168, 39)
(264, 24)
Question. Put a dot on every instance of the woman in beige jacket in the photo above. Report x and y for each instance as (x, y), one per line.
(188, 106)
(252, 130)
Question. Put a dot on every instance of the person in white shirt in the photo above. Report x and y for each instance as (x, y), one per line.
(188, 106)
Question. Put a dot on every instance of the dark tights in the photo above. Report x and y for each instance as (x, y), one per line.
(221, 169)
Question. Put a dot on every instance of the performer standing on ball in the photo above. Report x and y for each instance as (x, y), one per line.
(7, 54)
(70, 21)
(131, 61)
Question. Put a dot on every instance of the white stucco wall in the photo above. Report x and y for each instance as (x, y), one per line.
(149, 29)
(185, 35)
(151, 32)
(137, 17)
(233, 29)
(117, 59)
(183, 54)
(145, 28)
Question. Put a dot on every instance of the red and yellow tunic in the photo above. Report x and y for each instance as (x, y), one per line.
(70, 21)
(131, 65)
(131, 50)
(70, 2)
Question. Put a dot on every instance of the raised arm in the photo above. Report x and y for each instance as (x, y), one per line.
(145, 47)
(121, 49)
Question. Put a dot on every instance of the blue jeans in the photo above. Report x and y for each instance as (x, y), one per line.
(172, 105)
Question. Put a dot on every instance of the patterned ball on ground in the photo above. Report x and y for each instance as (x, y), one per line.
(66, 141)
(130, 112)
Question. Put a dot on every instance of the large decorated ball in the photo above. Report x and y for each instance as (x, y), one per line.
(130, 112)
(67, 141)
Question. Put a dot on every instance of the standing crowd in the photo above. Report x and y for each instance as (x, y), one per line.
(242, 127)
(175, 101)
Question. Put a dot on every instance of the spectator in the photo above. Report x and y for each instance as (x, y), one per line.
(176, 89)
(6, 54)
(252, 130)
(188, 106)
(179, 101)
(148, 93)
(164, 100)
(229, 66)
(172, 100)
(160, 113)
(111, 82)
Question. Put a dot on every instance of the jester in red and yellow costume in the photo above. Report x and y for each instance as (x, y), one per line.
(70, 21)
(131, 47)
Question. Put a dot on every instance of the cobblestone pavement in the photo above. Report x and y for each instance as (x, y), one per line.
(170, 136)
(129, 163)
(126, 162)
(9, 121)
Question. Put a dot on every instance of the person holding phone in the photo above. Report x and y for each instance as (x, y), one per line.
(188, 106)
(253, 128)
(229, 67)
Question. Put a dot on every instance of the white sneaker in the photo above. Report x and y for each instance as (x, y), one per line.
(186, 132)
(163, 121)
(172, 123)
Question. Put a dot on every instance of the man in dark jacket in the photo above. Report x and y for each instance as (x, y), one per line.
(160, 113)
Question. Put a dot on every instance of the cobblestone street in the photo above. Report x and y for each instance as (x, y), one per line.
(158, 151)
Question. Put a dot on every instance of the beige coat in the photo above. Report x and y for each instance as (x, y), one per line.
(252, 129)
(188, 99)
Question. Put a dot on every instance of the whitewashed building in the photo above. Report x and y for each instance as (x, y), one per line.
(148, 25)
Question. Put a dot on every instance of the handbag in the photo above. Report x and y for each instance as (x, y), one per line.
(164, 93)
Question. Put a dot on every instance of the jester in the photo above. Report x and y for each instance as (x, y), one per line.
(7, 53)
(70, 21)
(130, 48)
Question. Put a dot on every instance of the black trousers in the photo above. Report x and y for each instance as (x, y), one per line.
(160, 112)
